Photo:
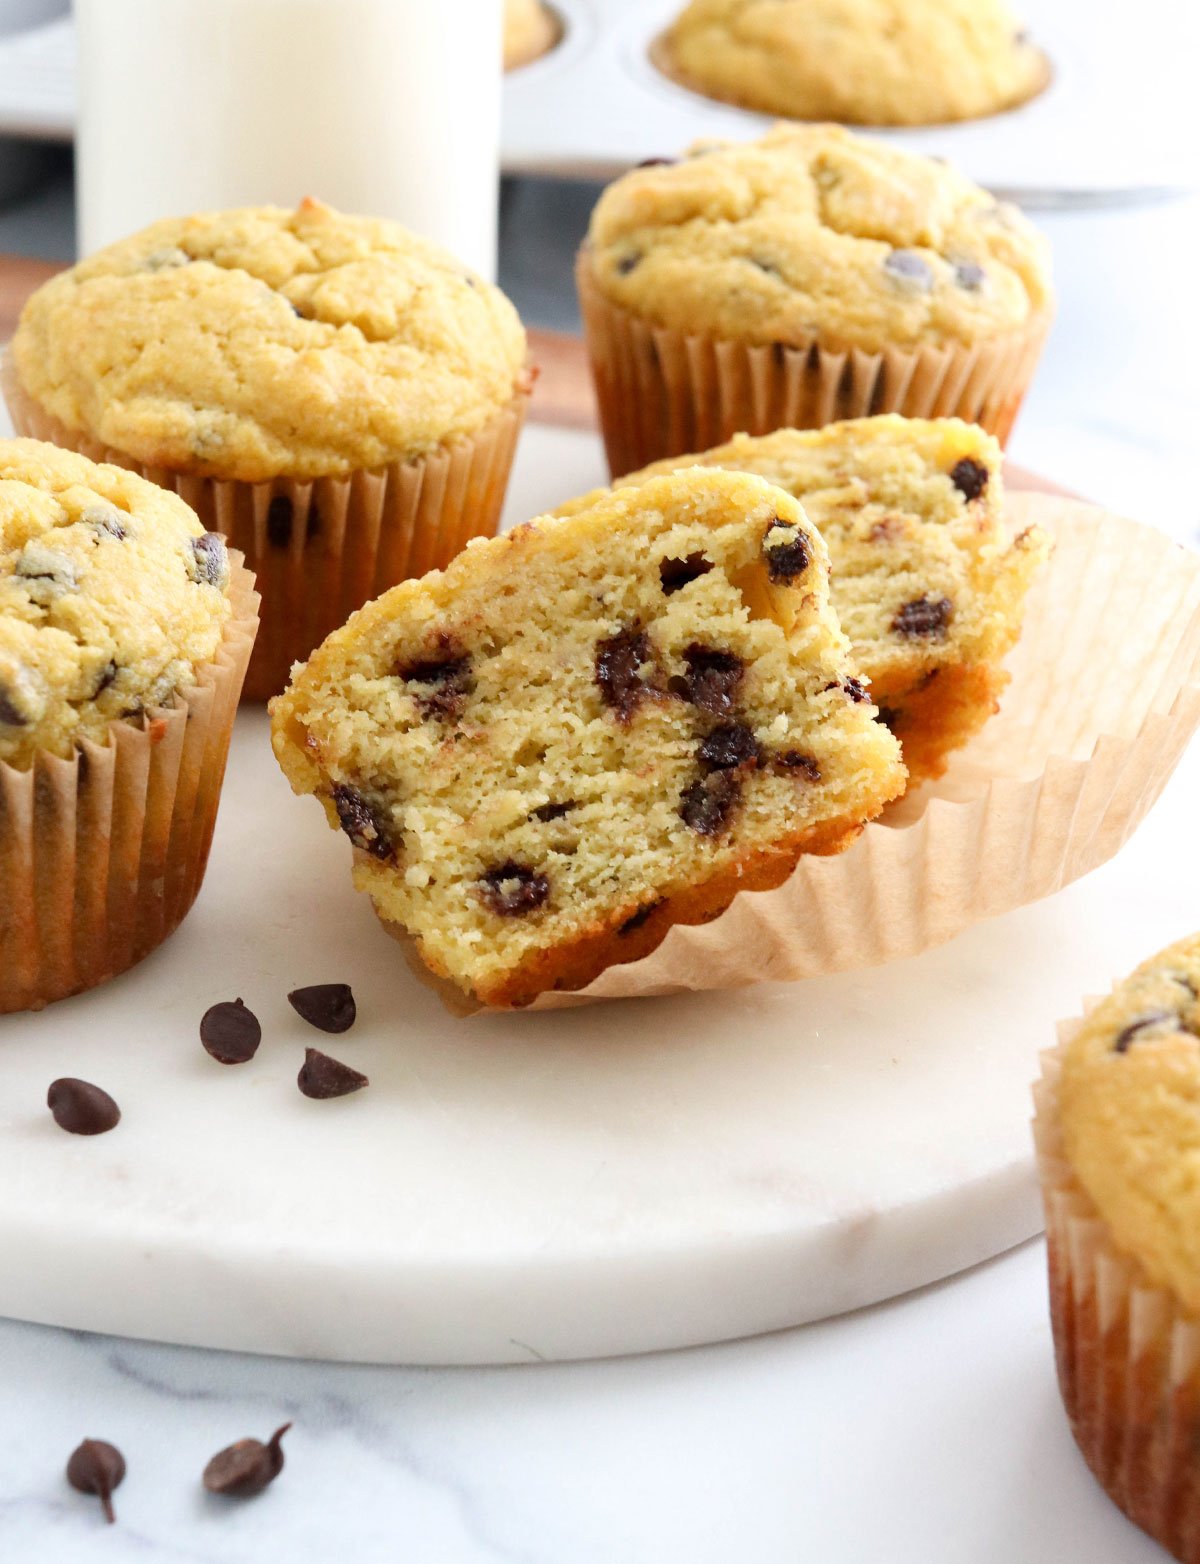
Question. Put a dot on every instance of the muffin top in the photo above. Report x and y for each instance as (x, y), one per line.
(111, 596)
(259, 343)
(1130, 1107)
(529, 30)
(865, 62)
(813, 232)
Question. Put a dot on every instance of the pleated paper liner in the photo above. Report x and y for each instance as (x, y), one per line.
(320, 550)
(102, 855)
(664, 393)
(1128, 1356)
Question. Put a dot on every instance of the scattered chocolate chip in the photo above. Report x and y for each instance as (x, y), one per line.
(642, 916)
(329, 1007)
(731, 744)
(230, 1032)
(924, 616)
(675, 574)
(210, 560)
(711, 680)
(798, 764)
(910, 270)
(786, 561)
(627, 263)
(81, 1108)
(708, 802)
(10, 714)
(450, 682)
(856, 690)
(1129, 1034)
(618, 658)
(969, 276)
(513, 889)
(547, 812)
(105, 523)
(969, 477)
(889, 716)
(279, 521)
(321, 1077)
(657, 162)
(96, 1467)
(243, 1469)
(362, 822)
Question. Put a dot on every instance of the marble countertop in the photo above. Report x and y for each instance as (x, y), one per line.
(928, 1429)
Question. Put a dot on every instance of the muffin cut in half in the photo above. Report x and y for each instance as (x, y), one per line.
(591, 729)
(928, 582)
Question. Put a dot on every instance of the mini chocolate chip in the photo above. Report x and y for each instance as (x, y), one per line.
(642, 916)
(329, 1007)
(969, 477)
(708, 802)
(786, 561)
(230, 1032)
(81, 1108)
(910, 270)
(243, 1469)
(657, 162)
(96, 1467)
(627, 263)
(798, 764)
(1129, 1034)
(617, 660)
(512, 889)
(856, 690)
(450, 682)
(969, 275)
(10, 714)
(547, 812)
(678, 573)
(711, 680)
(924, 616)
(365, 825)
(279, 521)
(210, 560)
(732, 744)
(322, 1077)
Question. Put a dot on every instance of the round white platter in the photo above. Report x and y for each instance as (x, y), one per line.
(604, 1180)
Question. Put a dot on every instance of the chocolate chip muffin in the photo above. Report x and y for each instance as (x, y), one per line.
(589, 730)
(927, 580)
(529, 31)
(861, 62)
(1118, 1124)
(125, 630)
(339, 397)
(805, 277)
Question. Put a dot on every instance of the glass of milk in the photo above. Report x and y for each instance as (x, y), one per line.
(389, 108)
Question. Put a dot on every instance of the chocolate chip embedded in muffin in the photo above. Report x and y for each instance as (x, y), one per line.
(548, 812)
(788, 555)
(731, 744)
(969, 275)
(909, 270)
(1131, 1032)
(969, 477)
(106, 523)
(210, 560)
(708, 802)
(513, 889)
(675, 574)
(45, 573)
(924, 616)
(797, 763)
(711, 680)
(366, 826)
(627, 263)
(448, 682)
(618, 659)
(641, 917)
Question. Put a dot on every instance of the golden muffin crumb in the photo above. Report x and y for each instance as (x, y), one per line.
(590, 729)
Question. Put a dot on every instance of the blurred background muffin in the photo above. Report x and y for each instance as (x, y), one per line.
(529, 31)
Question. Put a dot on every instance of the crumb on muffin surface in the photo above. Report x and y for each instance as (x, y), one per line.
(111, 596)
(815, 234)
(259, 342)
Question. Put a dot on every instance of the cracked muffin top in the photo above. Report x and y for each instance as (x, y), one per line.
(259, 343)
(811, 233)
(863, 62)
(111, 596)
(1129, 1097)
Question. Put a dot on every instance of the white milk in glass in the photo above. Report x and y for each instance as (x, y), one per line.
(386, 107)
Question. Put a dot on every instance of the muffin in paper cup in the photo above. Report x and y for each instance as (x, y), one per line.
(804, 278)
(105, 831)
(1113, 1106)
(339, 398)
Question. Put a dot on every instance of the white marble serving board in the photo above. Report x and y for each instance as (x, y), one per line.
(606, 1180)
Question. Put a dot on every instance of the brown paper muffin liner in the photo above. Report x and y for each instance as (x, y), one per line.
(1127, 1355)
(102, 854)
(321, 549)
(666, 393)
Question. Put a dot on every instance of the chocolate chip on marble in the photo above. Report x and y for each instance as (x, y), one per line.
(642, 916)
(210, 560)
(512, 890)
(789, 559)
(329, 1007)
(969, 477)
(321, 1077)
(730, 745)
(366, 826)
(675, 574)
(230, 1032)
(797, 763)
(548, 812)
(969, 276)
(617, 661)
(712, 678)
(279, 521)
(81, 1108)
(924, 617)
(96, 1467)
(708, 802)
(627, 263)
(245, 1468)
(449, 682)
(106, 523)
(1130, 1033)
(909, 270)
